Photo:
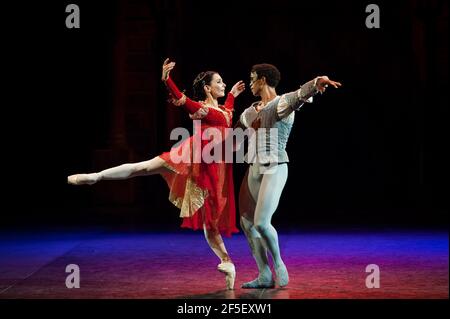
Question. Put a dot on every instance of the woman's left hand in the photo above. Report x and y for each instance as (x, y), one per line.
(238, 88)
(166, 68)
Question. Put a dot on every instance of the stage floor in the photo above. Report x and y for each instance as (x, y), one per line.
(148, 264)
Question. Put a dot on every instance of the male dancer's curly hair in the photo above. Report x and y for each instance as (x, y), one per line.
(269, 71)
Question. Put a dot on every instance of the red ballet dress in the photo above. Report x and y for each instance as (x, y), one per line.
(204, 192)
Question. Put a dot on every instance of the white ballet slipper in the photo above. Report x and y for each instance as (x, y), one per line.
(82, 179)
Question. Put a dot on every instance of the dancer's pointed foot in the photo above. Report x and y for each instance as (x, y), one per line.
(230, 273)
(82, 179)
(282, 275)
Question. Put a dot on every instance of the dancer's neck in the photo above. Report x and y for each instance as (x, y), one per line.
(210, 101)
(268, 94)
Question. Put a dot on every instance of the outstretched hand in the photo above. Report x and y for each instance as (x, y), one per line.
(238, 88)
(166, 68)
(323, 82)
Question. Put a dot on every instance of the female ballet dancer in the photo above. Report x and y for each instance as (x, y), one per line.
(204, 192)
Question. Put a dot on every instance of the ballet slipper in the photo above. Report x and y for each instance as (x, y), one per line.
(82, 179)
(259, 283)
(282, 275)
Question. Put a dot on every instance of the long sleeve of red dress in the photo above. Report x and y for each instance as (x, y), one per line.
(229, 102)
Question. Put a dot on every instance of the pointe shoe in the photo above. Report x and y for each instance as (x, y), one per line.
(282, 275)
(230, 273)
(81, 179)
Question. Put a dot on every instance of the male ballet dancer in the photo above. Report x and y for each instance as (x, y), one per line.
(266, 176)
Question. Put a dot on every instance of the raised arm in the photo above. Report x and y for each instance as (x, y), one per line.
(189, 105)
(229, 102)
(237, 89)
(292, 101)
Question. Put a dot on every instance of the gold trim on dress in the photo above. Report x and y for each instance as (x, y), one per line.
(199, 114)
(193, 199)
(228, 114)
(180, 101)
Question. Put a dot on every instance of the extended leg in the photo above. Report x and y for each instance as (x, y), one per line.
(124, 171)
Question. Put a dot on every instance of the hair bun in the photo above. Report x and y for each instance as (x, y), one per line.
(202, 79)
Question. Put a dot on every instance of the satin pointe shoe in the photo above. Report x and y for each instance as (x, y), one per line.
(230, 273)
(83, 179)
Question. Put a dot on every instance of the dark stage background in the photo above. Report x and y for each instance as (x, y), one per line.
(373, 152)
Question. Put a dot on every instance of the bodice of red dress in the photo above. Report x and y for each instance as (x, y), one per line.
(204, 192)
